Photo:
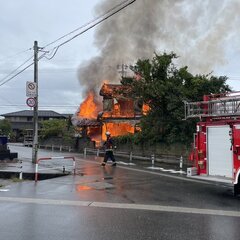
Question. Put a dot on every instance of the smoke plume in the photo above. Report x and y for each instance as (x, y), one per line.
(197, 31)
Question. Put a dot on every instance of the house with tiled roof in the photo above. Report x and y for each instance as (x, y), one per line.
(23, 120)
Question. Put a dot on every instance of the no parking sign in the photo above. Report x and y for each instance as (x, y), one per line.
(31, 102)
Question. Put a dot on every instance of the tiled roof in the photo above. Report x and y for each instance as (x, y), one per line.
(81, 122)
(67, 115)
(114, 90)
(29, 113)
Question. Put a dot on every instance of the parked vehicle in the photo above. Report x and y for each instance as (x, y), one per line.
(4, 151)
(28, 141)
(216, 147)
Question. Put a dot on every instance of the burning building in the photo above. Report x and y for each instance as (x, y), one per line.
(118, 113)
(121, 112)
(86, 121)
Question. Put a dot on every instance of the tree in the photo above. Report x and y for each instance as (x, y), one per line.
(56, 128)
(164, 87)
(5, 127)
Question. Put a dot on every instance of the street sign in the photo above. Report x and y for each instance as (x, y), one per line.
(31, 102)
(31, 89)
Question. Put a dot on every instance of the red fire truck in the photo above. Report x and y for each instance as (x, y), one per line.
(216, 147)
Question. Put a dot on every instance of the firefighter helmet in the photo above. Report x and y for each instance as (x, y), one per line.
(108, 133)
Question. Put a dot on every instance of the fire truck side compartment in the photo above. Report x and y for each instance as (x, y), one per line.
(219, 151)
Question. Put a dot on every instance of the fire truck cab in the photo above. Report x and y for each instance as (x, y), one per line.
(216, 147)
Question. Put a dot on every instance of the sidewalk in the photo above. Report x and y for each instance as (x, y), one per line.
(24, 169)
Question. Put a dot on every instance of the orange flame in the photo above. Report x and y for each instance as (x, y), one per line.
(95, 134)
(89, 108)
(117, 129)
(145, 109)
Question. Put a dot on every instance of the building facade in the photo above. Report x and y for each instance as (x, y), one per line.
(22, 121)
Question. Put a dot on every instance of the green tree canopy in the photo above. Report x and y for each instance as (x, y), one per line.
(56, 128)
(5, 127)
(164, 87)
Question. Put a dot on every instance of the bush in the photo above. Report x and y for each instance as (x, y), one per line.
(124, 139)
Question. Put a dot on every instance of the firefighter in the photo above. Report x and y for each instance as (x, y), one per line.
(108, 145)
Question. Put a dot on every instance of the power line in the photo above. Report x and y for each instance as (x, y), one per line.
(54, 53)
(16, 54)
(9, 79)
(101, 19)
(15, 69)
(86, 24)
(107, 15)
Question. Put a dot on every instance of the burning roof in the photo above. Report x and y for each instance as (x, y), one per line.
(115, 91)
(86, 122)
(87, 113)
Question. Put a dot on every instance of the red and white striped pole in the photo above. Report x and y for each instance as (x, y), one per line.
(36, 171)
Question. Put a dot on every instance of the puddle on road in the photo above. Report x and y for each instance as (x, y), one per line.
(82, 188)
(94, 186)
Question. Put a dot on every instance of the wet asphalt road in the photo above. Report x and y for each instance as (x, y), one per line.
(125, 202)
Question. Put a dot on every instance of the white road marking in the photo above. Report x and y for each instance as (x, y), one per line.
(167, 170)
(45, 201)
(147, 207)
(125, 163)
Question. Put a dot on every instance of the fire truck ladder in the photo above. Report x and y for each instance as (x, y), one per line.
(219, 107)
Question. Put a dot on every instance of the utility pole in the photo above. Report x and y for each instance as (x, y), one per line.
(35, 110)
(122, 69)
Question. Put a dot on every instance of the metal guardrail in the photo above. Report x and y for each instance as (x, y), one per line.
(152, 157)
(52, 158)
(61, 148)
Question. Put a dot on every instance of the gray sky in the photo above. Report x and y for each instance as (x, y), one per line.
(22, 22)
(205, 34)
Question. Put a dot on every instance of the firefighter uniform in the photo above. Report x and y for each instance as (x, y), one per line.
(109, 145)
